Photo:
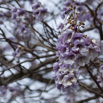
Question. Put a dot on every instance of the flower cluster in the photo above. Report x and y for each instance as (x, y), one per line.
(39, 12)
(74, 50)
(67, 7)
(22, 32)
(76, 8)
(18, 13)
(64, 77)
(25, 33)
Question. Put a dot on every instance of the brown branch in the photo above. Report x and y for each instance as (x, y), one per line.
(25, 73)
(88, 99)
(90, 90)
(88, 69)
(87, 29)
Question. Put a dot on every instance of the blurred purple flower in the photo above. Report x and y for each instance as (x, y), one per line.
(39, 12)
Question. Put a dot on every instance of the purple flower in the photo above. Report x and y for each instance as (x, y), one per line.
(60, 26)
(14, 10)
(69, 58)
(67, 11)
(80, 8)
(14, 13)
(59, 86)
(63, 15)
(67, 36)
(14, 16)
(60, 40)
(36, 13)
(69, 79)
(75, 50)
(3, 90)
(36, 6)
(56, 67)
(75, 28)
(21, 12)
(11, 89)
(87, 42)
(82, 60)
(77, 3)
(93, 53)
(67, 3)
(61, 48)
(76, 36)
(18, 13)
(79, 44)
(39, 12)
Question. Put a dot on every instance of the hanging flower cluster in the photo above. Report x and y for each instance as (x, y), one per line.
(74, 50)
